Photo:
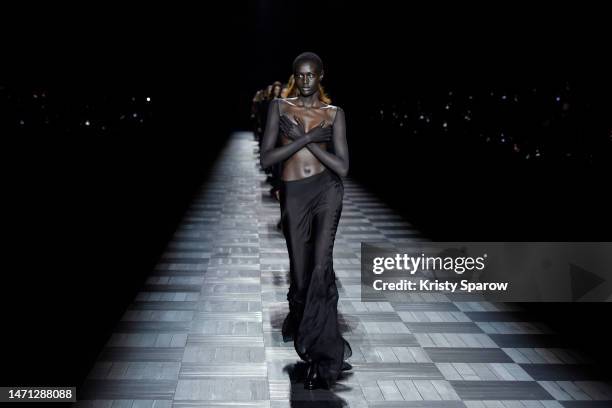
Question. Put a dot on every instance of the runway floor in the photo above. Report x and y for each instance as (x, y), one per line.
(204, 331)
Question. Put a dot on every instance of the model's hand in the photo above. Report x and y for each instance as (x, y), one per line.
(320, 134)
(317, 134)
(290, 129)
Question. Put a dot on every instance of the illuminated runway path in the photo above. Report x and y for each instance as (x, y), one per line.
(205, 329)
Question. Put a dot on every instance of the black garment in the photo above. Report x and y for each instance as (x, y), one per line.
(310, 212)
(276, 171)
(264, 106)
(277, 168)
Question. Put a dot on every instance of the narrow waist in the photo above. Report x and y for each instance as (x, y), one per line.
(308, 179)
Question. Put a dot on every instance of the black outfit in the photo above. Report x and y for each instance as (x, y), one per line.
(310, 212)
(264, 106)
(275, 170)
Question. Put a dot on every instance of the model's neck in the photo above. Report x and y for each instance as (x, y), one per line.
(310, 101)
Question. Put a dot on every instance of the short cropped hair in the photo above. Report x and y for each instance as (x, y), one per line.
(309, 57)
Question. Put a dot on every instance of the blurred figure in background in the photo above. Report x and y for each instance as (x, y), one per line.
(256, 120)
(275, 169)
(285, 92)
(277, 88)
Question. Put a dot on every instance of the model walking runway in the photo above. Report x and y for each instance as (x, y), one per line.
(307, 135)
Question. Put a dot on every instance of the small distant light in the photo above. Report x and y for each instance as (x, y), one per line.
(470, 97)
(87, 123)
(558, 99)
(450, 93)
(504, 97)
(444, 125)
(22, 122)
(421, 117)
(148, 99)
(35, 96)
(103, 127)
(447, 107)
(401, 124)
(134, 115)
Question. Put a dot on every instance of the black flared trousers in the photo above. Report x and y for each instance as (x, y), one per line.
(310, 212)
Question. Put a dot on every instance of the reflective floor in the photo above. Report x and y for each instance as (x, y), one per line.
(204, 331)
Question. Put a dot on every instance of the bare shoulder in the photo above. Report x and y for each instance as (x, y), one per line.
(332, 108)
(333, 111)
(290, 101)
(280, 103)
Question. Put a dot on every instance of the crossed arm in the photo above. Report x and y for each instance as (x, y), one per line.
(339, 162)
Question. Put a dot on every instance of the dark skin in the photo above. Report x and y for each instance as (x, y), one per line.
(306, 127)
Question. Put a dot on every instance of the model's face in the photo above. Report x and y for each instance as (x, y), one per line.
(277, 90)
(307, 78)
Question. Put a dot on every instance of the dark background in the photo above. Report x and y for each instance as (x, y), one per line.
(90, 210)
